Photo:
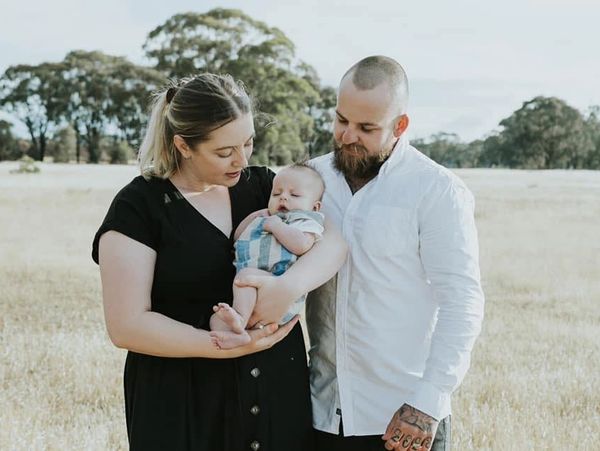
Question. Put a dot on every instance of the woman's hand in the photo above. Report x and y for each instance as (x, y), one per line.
(264, 338)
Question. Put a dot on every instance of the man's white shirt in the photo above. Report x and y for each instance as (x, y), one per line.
(398, 323)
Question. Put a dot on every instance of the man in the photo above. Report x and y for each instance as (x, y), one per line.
(391, 335)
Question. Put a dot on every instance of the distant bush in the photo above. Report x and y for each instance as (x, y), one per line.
(27, 165)
(118, 152)
(63, 147)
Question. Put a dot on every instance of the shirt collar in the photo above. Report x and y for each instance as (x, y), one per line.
(396, 156)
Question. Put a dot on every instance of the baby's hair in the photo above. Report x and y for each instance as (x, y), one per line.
(305, 164)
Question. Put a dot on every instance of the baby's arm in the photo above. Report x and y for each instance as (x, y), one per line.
(293, 239)
(246, 222)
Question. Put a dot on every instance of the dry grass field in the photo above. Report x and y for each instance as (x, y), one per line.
(534, 381)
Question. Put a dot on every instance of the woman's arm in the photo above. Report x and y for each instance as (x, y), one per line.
(126, 269)
(277, 294)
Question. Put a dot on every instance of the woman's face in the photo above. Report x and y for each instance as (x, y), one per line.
(220, 160)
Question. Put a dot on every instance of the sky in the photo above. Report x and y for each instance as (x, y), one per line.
(470, 63)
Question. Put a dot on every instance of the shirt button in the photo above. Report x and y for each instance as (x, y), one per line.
(255, 410)
(255, 373)
(255, 445)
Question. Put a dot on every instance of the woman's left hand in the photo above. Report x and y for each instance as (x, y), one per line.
(264, 338)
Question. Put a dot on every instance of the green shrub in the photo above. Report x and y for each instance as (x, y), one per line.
(27, 165)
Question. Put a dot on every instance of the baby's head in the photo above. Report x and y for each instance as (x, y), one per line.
(296, 187)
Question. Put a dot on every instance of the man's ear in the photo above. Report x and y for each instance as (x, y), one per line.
(182, 147)
(317, 206)
(401, 125)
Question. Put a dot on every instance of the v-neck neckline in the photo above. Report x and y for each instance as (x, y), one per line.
(199, 213)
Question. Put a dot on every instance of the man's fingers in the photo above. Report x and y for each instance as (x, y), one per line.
(389, 432)
(391, 437)
(405, 437)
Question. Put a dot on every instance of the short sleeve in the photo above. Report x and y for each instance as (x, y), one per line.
(309, 222)
(130, 214)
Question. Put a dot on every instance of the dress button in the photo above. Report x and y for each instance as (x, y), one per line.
(255, 373)
(254, 410)
(255, 445)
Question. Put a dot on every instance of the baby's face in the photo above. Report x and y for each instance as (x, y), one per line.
(293, 189)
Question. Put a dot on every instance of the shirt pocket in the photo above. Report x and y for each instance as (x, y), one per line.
(387, 230)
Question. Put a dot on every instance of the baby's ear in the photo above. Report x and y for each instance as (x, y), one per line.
(317, 206)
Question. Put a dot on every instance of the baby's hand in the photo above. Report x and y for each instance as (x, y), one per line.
(264, 212)
(271, 222)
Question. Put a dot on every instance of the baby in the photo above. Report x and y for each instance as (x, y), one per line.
(268, 242)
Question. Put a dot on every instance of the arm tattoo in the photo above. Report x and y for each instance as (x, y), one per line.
(416, 418)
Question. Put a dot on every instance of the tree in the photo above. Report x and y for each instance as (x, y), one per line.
(323, 113)
(189, 42)
(593, 128)
(446, 149)
(545, 133)
(35, 95)
(106, 91)
(130, 94)
(8, 144)
(229, 41)
(492, 151)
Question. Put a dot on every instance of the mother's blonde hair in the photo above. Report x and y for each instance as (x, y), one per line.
(192, 108)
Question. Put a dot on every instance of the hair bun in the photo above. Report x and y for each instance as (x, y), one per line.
(171, 93)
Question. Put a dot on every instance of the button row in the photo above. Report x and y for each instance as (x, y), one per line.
(255, 410)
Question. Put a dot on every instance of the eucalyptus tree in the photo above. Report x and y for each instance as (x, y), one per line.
(106, 95)
(229, 41)
(35, 95)
(545, 133)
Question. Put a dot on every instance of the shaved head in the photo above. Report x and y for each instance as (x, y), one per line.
(373, 71)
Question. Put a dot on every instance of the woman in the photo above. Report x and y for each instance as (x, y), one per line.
(164, 251)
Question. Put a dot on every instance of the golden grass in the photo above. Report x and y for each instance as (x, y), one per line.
(534, 380)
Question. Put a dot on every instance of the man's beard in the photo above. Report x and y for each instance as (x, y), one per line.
(355, 162)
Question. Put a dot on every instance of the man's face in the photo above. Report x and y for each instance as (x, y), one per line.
(363, 129)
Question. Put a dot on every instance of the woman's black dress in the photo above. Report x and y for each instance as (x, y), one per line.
(257, 402)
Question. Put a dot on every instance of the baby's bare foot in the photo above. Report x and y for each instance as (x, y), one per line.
(224, 339)
(229, 316)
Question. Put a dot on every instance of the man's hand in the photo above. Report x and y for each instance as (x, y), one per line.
(410, 429)
(276, 294)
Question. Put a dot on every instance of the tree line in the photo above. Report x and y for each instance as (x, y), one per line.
(97, 104)
(93, 107)
(545, 133)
